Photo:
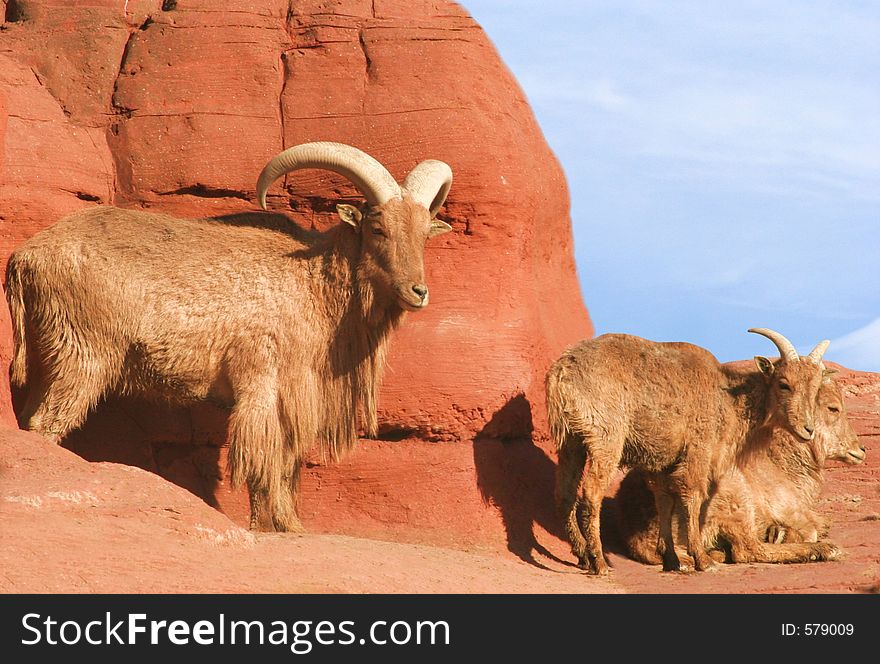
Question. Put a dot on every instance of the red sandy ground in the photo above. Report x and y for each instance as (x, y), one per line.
(73, 526)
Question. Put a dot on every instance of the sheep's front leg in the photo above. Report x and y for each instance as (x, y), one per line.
(261, 515)
(258, 456)
(805, 552)
(259, 448)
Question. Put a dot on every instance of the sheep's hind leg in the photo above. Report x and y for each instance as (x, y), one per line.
(806, 552)
(665, 503)
(261, 515)
(59, 403)
(604, 458)
(692, 504)
(569, 473)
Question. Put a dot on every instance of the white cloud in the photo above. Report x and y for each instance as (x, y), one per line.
(606, 97)
(859, 349)
(550, 88)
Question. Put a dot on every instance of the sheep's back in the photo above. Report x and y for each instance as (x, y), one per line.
(178, 296)
(657, 396)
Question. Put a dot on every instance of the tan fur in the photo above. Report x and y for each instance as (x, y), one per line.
(670, 409)
(288, 328)
(15, 295)
(770, 497)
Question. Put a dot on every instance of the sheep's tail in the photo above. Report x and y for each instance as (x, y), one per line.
(557, 413)
(569, 410)
(15, 299)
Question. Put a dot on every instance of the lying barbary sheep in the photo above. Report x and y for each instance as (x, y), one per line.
(287, 328)
(672, 410)
(772, 494)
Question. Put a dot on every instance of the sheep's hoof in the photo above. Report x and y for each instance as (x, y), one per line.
(717, 555)
(671, 563)
(825, 551)
(776, 534)
(703, 563)
(289, 525)
(262, 522)
(593, 567)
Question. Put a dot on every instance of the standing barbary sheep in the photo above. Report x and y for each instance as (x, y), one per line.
(286, 327)
(672, 410)
(773, 491)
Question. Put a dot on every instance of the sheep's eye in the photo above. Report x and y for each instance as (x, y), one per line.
(784, 386)
(834, 409)
(378, 231)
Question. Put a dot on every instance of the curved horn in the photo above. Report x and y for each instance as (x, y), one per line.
(370, 177)
(817, 353)
(786, 349)
(428, 183)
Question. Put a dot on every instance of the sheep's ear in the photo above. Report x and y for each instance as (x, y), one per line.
(349, 214)
(438, 228)
(828, 372)
(764, 365)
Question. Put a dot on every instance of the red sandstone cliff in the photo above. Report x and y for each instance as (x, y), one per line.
(176, 106)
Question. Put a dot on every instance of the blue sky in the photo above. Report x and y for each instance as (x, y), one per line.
(723, 160)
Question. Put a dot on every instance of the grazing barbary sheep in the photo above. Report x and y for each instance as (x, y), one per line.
(672, 410)
(287, 328)
(770, 495)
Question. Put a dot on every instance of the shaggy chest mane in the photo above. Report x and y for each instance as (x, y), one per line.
(360, 328)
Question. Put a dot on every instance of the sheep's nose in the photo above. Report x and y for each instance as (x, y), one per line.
(421, 290)
(809, 428)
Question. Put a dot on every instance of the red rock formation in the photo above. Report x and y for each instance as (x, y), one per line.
(177, 105)
(73, 526)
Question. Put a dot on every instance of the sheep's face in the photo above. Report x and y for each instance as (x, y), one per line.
(794, 387)
(393, 240)
(834, 431)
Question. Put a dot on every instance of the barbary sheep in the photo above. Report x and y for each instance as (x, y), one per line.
(288, 328)
(771, 495)
(672, 410)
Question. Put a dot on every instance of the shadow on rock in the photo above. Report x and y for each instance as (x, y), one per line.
(517, 476)
(181, 444)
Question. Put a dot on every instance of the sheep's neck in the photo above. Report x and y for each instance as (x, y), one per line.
(749, 425)
(363, 324)
(800, 460)
(756, 436)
